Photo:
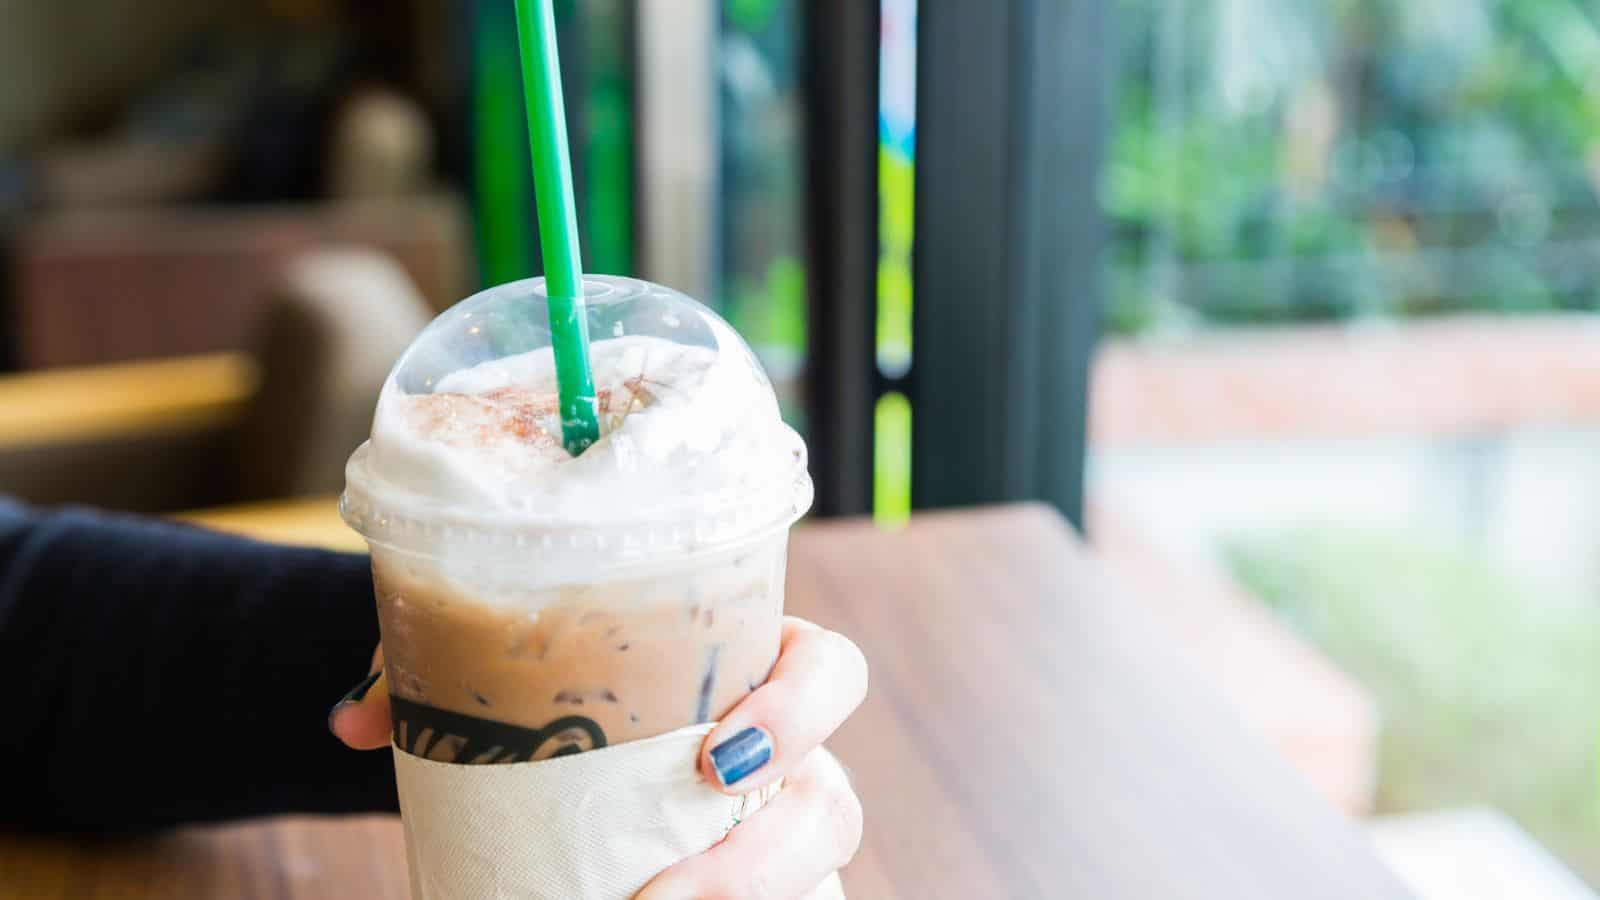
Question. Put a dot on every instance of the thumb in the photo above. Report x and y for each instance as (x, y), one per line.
(361, 717)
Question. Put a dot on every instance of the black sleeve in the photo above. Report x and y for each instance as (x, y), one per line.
(154, 674)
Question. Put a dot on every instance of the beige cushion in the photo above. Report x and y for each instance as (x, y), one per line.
(335, 323)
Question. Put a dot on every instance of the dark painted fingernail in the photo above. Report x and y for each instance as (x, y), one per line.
(355, 695)
(738, 757)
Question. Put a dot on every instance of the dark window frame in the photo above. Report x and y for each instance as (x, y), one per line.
(841, 132)
(1011, 121)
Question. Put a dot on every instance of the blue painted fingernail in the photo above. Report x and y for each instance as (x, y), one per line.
(738, 757)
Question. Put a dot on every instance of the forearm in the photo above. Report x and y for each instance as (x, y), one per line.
(157, 674)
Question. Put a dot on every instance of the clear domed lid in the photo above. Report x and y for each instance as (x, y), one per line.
(466, 444)
(513, 320)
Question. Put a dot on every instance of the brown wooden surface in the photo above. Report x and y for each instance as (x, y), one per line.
(307, 522)
(118, 400)
(1028, 735)
(145, 436)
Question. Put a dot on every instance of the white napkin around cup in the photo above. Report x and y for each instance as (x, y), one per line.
(591, 826)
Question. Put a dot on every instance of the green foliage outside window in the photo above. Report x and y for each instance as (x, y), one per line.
(1283, 160)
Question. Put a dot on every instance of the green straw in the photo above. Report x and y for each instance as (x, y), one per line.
(558, 222)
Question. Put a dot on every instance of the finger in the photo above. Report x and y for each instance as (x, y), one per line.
(783, 852)
(361, 717)
(820, 678)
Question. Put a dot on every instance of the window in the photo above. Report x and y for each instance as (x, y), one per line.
(761, 272)
(1353, 362)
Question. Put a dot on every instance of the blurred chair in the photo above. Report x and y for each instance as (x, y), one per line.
(195, 431)
(336, 321)
(106, 286)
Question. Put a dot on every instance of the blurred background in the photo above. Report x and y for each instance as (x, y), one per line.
(1289, 304)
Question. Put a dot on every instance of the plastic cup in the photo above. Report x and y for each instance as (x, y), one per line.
(631, 591)
(536, 605)
(547, 668)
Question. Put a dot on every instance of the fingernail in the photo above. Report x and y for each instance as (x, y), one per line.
(355, 695)
(738, 757)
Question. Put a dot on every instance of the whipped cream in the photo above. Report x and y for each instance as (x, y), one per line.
(684, 428)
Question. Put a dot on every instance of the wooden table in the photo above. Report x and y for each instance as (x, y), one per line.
(1029, 734)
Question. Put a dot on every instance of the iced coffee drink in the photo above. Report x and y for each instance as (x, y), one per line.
(480, 682)
(535, 604)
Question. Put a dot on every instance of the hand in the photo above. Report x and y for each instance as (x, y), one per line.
(791, 847)
(361, 717)
(813, 826)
